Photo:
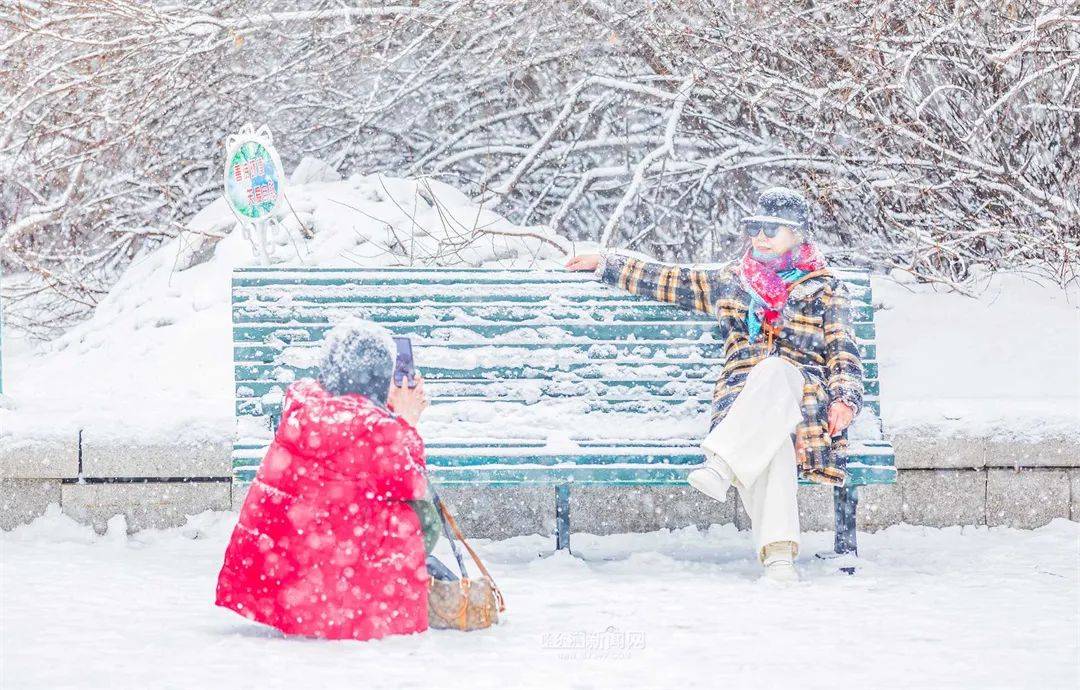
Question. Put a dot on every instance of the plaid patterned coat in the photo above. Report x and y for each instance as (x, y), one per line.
(815, 333)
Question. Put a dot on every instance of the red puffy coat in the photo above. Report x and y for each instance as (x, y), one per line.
(326, 545)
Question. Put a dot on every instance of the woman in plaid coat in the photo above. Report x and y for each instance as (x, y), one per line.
(792, 378)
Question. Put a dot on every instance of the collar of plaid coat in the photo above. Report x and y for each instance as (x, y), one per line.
(767, 280)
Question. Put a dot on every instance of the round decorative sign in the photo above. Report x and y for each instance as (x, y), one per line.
(253, 175)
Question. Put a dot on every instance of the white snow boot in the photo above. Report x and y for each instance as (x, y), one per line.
(711, 481)
(779, 561)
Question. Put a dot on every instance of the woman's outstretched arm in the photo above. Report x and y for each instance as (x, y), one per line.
(690, 288)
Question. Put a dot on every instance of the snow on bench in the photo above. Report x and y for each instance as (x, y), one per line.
(535, 377)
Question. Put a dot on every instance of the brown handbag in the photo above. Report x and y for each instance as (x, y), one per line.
(465, 603)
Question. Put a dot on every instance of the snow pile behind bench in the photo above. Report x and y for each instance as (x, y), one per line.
(154, 363)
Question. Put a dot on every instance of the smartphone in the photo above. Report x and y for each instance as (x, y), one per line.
(404, 368)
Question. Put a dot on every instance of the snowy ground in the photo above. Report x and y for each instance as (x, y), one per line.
(940, 608)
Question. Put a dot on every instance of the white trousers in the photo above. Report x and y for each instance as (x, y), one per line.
(752, 448)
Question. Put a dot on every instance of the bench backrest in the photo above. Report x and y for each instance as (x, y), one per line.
(509, 355)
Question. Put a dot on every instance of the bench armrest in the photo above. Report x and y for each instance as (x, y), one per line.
(842, 361)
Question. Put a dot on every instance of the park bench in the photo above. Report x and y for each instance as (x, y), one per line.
(535, 377)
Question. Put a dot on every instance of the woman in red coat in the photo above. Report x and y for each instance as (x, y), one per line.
(326, 545)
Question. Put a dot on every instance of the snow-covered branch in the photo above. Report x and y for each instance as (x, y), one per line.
(931, 136)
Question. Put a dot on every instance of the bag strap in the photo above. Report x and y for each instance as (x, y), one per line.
(445, 528)
(476, 558)
(447, 519)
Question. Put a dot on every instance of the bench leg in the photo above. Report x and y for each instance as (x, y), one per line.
(562, 516)
(846, 502)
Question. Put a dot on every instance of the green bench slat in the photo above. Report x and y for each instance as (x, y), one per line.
(296, 290)
(668, 444)
(251, 352)
(359, 292)
(848, 275)
(488, 465)
(607, 477)
(477, 306)
(443, 391)
(534, 293)
(483, 457)
(461, 280)
(583, 370)
(253, 407)
(316, 313)
(599, 350)
(629, 475)
(649, 330)
(255, 449)
(588, 459)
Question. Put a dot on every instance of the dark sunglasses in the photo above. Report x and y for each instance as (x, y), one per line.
(753, 227)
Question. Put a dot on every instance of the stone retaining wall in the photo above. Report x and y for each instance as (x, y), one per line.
(92, 479)
(941, 482)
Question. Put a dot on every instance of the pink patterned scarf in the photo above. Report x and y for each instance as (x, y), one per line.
(766, 279)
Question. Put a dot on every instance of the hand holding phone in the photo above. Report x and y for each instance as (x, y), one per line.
(408, 401)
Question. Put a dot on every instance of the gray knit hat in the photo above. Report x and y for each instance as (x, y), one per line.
(358, 357)
(783, 206)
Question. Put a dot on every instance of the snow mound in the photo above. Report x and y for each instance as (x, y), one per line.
(154, 361)
(1005, 365)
